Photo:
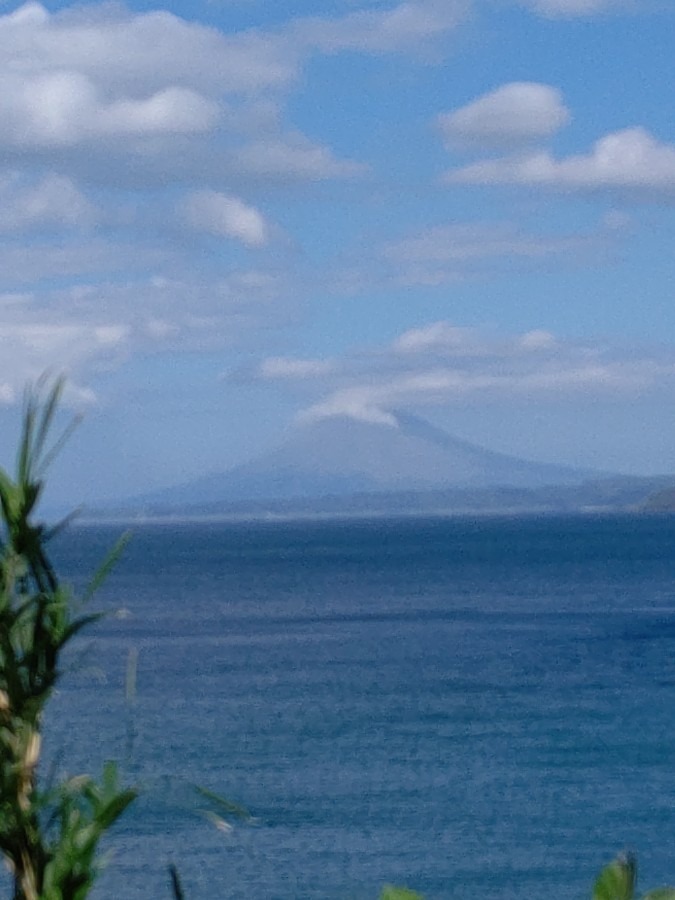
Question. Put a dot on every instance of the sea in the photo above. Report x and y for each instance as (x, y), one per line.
(471, 707)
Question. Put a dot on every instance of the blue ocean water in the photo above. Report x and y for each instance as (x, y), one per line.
(474, 708)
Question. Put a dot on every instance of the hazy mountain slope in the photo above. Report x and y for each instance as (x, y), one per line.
(340, 456)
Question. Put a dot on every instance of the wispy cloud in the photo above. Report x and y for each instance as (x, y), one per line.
(439, 364)
(578, 8)
(446, 253)
(91, 327)
(286, 367)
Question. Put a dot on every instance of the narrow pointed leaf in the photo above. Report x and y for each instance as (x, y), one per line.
(104, 569)
(79, 624)
(62, 524)
(47, 416)
(63, 438)
(222, 803)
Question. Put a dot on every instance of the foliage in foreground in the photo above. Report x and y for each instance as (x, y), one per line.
(48, 835)
(618, 881)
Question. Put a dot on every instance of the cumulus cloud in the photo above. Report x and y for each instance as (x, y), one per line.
(152, 88)
(131, 52)
(440, 363)
(106, 92)
(225, 216)
(510, 116)
(521, 113)
(627, 160)
(58, 109)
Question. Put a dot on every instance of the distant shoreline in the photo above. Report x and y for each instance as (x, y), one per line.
(281, 518)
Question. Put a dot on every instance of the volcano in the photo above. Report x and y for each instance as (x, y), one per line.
(340, 456)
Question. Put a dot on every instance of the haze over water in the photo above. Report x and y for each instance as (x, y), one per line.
(468, 707)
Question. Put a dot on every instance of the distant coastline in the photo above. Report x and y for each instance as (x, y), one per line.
(617, 495)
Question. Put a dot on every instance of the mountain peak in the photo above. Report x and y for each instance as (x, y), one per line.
(341, 455)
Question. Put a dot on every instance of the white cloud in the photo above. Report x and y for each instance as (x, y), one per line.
(74, 258)
(173, 110)
(293, 157)
(441, 386)
(139, 94)
(440, 364)
(438, 335)
(65, 108)
(452, 340)
(32, 345)
(361, 403)
(285, 367)
(403, 27)
(225, 216)
(512, 115)
(537, 340)
(88, 327)
(446, 253)
(465, 243)
(628, 160)
(576, 8)
(146, 52)
(51, 202)
(134, 53)
(109, 94)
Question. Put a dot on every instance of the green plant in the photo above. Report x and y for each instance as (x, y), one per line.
(389, 892)
(618, 881)
(48, 837)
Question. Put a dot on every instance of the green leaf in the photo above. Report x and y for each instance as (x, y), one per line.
(662, 893)
(104, 569)
(78, 625)
(389, 892)
(10, 498)
(617, 881)
(114, 808)
(222, 803)
(61, 525)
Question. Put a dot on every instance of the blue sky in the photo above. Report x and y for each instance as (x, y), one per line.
(223, 218)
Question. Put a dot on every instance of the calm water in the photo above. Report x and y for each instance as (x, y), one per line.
(473, 708)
